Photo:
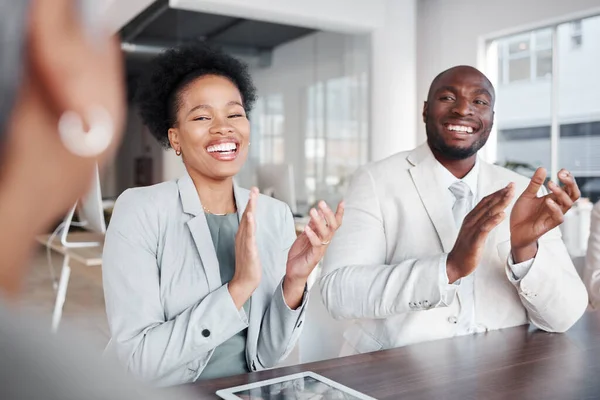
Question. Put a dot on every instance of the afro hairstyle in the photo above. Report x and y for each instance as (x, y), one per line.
(158, 90)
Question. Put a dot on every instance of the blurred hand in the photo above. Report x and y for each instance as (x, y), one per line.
(468, 248)
(533, 216)
(64, 72)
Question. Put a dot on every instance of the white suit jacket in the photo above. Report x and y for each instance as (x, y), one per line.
(166, 307)
(382, 268)
(591, 271)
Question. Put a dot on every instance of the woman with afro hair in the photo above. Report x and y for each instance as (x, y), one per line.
(204, 279)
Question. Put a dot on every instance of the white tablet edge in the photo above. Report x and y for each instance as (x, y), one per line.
(228, 394)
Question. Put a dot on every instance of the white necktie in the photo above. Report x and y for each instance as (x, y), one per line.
(466, 293)
(463, 203)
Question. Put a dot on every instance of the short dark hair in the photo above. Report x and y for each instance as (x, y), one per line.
(170, 72)
(469, 68)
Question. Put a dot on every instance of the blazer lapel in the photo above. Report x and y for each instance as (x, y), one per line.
(432, 195)
(241, 199)
(198, 227)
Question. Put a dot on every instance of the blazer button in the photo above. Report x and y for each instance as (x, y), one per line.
(452, 319)
(205, 333)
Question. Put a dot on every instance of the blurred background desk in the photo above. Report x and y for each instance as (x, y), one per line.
(515, 363)
(86, 260)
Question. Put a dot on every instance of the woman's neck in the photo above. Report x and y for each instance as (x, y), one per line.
(216, 196)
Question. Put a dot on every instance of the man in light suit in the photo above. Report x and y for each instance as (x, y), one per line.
(426, 251)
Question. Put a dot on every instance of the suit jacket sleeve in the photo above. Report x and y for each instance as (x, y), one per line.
(151, 347)
(591, 271)
(552, 292)
(357, 282)
(281, 326)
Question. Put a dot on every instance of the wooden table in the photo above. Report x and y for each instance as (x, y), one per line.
(516, 363)
(84, 260)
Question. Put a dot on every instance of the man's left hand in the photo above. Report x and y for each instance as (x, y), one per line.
(533, 216)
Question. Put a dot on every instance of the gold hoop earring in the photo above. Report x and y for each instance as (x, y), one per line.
(177, 152)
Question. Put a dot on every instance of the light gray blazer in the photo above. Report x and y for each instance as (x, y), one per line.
(166, 307)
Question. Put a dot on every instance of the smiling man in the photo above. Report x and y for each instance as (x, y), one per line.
(438, 243)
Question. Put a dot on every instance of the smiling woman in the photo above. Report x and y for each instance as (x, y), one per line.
(204, 279)
(211, 131)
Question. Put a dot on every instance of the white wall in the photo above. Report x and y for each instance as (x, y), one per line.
(330, 15)
(394, 114)
(449, 31)
(119, 12)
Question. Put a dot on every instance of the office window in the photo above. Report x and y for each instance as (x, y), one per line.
(519, 69)
(546, 120)
(525, 57)
(544, 64)
(268, 120)
(313, 114)
(519, 58)
(314, 142)
(578, 105)
(336, 142)
(542, 43)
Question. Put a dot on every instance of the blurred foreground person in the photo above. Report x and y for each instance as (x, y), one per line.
(591, 271)
(61, 113)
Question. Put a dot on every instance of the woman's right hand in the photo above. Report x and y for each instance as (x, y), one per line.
(248, 270)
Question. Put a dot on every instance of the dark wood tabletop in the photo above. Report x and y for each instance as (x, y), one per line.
(516, 363)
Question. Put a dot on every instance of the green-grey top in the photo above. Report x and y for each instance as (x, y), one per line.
(229, 358)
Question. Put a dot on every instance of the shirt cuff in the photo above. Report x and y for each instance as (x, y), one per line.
(520, 270)
(302, 303)
(447, 289)
(241, 312)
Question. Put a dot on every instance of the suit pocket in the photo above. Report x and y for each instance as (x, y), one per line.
(362, 341)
